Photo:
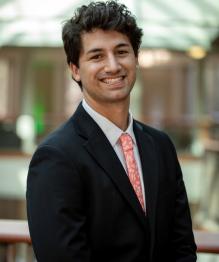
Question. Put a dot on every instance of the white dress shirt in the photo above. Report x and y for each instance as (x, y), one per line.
(113, 133)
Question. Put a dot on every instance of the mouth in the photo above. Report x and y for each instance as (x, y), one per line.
(113, 80)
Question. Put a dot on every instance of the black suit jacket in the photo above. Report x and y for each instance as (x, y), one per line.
(81, 206)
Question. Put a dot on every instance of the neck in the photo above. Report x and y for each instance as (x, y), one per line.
(117, 112)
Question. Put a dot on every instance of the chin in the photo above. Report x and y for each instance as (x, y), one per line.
(119, 98)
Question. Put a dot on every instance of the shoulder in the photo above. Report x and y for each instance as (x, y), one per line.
(59, 135)
(160, 139)
(64, 139)
(153, 132)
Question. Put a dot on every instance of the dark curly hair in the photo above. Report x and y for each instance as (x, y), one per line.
(108, 15)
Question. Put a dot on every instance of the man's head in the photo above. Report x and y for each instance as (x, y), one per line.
(108, 16)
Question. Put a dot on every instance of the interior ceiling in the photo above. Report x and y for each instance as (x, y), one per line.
(167, 24)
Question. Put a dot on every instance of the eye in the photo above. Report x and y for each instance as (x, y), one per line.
(96, 57)
(122, 52)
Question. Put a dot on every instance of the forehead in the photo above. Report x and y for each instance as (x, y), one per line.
(103, 40)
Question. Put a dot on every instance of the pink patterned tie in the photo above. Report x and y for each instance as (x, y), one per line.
(127, 147)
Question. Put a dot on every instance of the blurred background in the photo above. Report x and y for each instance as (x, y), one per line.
(177, 91)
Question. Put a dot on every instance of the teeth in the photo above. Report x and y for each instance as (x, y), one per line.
(112, 80)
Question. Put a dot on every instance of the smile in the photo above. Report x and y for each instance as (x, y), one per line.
(114, 80)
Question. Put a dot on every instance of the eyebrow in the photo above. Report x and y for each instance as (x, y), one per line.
(95, 50)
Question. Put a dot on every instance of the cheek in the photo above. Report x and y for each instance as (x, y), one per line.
(90, 72)
(132, 71)
(130, 65)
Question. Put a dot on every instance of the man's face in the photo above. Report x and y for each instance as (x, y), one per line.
(107, 67)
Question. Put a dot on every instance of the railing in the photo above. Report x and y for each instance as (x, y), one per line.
(13, 232)
(16, 231)
(207, 242)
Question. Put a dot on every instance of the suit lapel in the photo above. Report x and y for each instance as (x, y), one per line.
(102, 152)
(149, 162)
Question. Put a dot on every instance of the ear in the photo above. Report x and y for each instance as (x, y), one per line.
(75, 72)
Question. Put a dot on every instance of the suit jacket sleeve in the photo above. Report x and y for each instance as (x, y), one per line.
(55, 209)
(184, 247)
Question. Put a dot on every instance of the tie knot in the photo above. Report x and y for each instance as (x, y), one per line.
(126, 142)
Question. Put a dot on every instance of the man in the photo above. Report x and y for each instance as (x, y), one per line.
(104, 187)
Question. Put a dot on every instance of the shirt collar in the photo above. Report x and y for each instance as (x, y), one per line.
(111, 131)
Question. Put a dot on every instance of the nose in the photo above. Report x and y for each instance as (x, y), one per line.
(112, 64)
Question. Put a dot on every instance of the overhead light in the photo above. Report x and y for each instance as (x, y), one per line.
(197, 52)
